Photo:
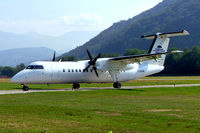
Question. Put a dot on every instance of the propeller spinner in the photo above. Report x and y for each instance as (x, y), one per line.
(92, 62)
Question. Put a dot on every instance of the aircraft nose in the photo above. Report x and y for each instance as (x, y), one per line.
(15, 79)
(18, 78)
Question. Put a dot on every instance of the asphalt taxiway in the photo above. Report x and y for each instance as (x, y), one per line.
(4, 92)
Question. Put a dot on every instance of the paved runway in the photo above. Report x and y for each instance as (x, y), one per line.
(171, 79)
(3, 92)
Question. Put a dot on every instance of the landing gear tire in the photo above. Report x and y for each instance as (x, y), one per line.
(25, 88)
(117, 85)
(75, 86)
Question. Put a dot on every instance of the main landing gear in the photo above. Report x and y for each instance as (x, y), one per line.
(117, 85)
(24, 87)
(75, 86)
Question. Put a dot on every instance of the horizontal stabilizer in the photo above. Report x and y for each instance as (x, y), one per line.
(171, 34)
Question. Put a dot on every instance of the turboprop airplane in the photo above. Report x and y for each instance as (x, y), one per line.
(100, 70)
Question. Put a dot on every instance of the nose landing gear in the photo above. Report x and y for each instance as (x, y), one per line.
(24, 87)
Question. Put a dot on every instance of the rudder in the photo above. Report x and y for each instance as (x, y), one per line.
(161, 42)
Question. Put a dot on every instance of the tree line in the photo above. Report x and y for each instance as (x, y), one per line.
(8, 71)
(187, 63)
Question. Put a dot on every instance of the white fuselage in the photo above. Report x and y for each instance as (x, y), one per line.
(72, 72)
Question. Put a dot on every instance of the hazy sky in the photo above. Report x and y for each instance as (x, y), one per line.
(55, 17)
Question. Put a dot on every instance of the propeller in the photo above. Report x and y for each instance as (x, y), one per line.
(92, 62)
(54, 56)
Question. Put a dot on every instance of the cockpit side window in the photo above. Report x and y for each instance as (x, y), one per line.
(30, 67)
(35, 67)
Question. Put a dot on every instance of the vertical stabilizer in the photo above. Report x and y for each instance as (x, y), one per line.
(161, 42)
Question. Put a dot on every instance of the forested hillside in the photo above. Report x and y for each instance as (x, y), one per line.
(167, 16)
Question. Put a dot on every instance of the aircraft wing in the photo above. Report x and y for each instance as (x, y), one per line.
(120, 62)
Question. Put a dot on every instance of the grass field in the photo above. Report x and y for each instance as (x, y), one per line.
(6, 85)
(122, 111)
(147, 110)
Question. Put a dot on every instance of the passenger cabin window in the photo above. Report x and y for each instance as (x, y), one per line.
(76, 70)
(35, 67)
(85, 70)
(39, 67)
(68, 70)
(79, 70)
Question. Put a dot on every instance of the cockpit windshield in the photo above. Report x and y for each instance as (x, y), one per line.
(35, 67)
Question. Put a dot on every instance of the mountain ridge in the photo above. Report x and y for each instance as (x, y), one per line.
(167, 16)
(66, 41)
(13, 57)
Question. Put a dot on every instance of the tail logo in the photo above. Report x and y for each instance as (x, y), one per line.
(159, 49)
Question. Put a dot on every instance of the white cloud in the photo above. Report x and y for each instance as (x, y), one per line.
(82, 22)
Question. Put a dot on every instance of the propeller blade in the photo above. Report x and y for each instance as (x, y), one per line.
(89, 54)
(97, 57)
(54, 56)
(95, 69)
(92, 62)
(87, 67)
